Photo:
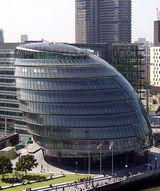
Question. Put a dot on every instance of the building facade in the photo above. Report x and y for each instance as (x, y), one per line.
(155, 66)
(102, 50)
(74, 101)
(1, 36)
(24, 37)
(103, 21)
(157, 32)
(9, 106)
(126, 58)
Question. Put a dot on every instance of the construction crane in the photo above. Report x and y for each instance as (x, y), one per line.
(158, 15)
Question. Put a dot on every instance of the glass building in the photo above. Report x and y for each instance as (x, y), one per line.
(74, 101)
(10, 115)
(126, 58)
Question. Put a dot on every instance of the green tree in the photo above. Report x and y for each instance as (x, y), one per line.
(26, 163)
(5, 166)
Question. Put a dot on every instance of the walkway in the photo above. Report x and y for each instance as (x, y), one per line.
(43, 166)
(154, 162)
(82, 184)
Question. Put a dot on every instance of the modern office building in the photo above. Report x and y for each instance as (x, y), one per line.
(156, 32)
(10, 115)
(99, 21)
(24, 38)
(128, 59)
(157, 29)
(1, 36)
(74, 101)
(155, 66)
(102, 50)
(144, 46)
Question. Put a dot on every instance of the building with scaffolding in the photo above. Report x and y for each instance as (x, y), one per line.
(129, 61)
(126, 58)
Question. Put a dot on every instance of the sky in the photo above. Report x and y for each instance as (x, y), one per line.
(54, 20)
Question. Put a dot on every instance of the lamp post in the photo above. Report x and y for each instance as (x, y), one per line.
(156, 165)
(100, 160)
(126, 166)
(76, 166)
(112, 160)
(5, 125)
(89, 162)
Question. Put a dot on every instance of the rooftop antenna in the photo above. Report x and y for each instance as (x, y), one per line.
(158, 14)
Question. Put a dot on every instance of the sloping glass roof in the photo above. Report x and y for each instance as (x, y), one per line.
(53, 47)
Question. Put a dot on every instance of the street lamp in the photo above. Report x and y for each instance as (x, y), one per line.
(5, 125)
(76, 167)
(126, 166)
(155, 160)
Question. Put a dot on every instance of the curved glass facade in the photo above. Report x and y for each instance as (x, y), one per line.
(73, 100)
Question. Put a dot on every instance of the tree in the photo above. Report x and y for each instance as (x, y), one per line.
(5, 166)
(26, 163)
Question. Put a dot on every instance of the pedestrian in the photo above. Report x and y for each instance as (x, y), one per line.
(41, 167)
(97, 184)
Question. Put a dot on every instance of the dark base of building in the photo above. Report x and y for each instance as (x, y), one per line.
(125, 160)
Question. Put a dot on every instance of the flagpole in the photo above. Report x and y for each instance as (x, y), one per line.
(89, 160)
(112, 160)
(100, 156)
(89, 163)
(100, 165)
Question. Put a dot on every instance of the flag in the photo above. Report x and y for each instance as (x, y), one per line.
(100, 144)
(111, 145)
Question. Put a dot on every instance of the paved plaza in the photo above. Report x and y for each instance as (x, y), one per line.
(119, 174)
(154, 156)
(43, 166)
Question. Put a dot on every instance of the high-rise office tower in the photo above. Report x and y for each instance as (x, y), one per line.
(24, 37)
(157, 29)
(1, 36)
(157, 32)
(99, 21)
